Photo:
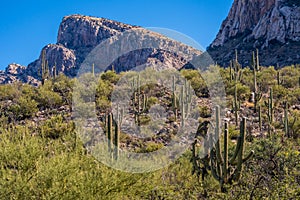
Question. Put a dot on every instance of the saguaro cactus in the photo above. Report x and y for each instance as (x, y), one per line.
(286, 120)
(113, 137)
(118, 123)
(174, 99)
(44, 68)
(270, 113)
(185, 101)
(257, 61)
(222, 168)
(139, 100)
(54, 71)
(93, 69)
(257, 94)
(279, 80)
(237, 78)
(109, 132)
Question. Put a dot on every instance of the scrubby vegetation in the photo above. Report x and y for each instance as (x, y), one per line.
(41, 156)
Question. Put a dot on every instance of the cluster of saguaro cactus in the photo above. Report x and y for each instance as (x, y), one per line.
(222, 168)
(185, 100)
(45, 71)
(139, 100)
(113, 137)
(234, 69)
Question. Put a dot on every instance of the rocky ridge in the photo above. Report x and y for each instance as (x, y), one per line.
(78, 35)
(272, 26)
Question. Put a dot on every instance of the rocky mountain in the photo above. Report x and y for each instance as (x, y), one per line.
(78, 35)
(271, 26)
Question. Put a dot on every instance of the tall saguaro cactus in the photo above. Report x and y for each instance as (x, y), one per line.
(237, 78)
(286, 120)
(257, 94)
(118, 122)
(257, 61)
(114, 137)
(270, 113)
(185, 101)
(174, 99)
(139, 100)
(44, 68)
(223, 169)
(109, 133)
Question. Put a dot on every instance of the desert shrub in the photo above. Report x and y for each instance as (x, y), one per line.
(103, 103)
(151, 101)
(29, 91)
(289, 76)
(243, 91)
(150, 147)
(294, 97)
(9, 92)
(23, 108)
(204, 111)
(266, 78)
(110, 76)
(247, 78)
(197, 82)
(144, 119)
(271, 173)
(47, 98)
(279, 92)
(64, 86)
(103, 89)
(294, 124)
(56, 127)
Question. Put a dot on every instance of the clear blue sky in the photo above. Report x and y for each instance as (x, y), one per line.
(27, 26)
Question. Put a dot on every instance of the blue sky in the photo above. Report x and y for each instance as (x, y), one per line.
(27, 26)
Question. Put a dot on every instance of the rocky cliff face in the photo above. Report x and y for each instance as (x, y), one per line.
(272, 26)
(78, 35)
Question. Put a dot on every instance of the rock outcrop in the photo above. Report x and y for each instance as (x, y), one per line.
(272, 26)
(78, 35)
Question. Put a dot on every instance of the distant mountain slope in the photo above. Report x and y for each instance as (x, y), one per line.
(272, 26)
(78, 35)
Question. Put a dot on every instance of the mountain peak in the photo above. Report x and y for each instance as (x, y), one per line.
(272, 26)
(78, 35)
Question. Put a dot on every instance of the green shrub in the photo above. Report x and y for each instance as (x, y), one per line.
(47, 98)
(150, 147)
(110, 76)
(55, 127)
(204, 111)
(151, 102)
(9, 92)
(243, 91)
(266, 78)
(64, 87)
(23, 108)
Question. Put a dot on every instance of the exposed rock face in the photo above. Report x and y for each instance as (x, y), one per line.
(272, 26)
(12, 73)
(57, 55)
(79, 35)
